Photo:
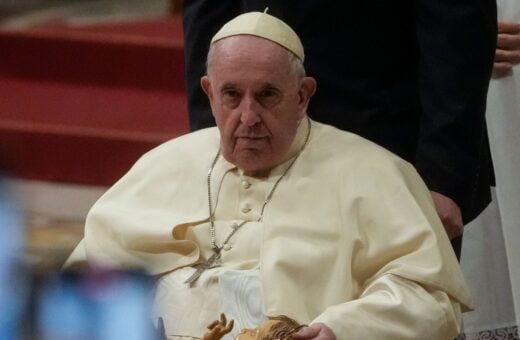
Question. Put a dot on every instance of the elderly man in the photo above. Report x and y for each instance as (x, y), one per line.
(274, 214)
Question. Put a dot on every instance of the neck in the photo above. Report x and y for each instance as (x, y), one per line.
(257, 173)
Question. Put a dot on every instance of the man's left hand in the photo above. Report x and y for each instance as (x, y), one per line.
(450, 214)
(508, 49)
(316, 331)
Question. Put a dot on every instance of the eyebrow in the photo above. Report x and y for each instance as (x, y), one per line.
(270, 87)
(266, 85)
(228, 86)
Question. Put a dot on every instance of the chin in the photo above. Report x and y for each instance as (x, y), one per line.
(254, 164)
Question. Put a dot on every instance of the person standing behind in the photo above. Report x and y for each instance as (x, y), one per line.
(490, 255)
(410, 76)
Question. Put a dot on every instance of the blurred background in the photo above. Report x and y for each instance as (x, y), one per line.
(86, 87)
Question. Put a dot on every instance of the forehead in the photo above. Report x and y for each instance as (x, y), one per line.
(248, 56)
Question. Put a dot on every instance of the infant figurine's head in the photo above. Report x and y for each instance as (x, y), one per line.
(276, 328)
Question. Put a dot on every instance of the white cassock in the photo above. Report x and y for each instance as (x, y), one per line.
(350, 238)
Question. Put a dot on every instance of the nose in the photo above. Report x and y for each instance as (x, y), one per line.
(249, 114)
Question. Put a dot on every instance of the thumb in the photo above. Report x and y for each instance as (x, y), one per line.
(306, 333)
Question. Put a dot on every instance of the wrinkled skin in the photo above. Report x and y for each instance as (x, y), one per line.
(257, 100)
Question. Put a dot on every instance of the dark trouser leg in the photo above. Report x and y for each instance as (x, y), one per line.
(456, 243)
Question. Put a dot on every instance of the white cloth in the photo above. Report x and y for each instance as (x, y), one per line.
(187, 310)
(241, 293)
(490, 252)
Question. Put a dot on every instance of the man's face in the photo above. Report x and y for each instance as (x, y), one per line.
(257, 100)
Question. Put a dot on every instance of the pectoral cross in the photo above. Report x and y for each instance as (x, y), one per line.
(212, 262)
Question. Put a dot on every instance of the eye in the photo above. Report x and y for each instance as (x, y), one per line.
(231, 97)
(268, 97)
(266, 94)
(229, 93)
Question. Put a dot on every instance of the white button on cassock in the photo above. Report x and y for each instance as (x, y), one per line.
(246, 208)
(246, 184)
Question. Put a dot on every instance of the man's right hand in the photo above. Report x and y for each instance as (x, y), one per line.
(316, 331)
(450, 214)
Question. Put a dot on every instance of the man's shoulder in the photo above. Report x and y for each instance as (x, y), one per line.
(186, 151)
(187, 146)
(354, 158)
(347, 146)
(174, 162)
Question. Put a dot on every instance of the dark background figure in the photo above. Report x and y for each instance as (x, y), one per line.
(411, 76)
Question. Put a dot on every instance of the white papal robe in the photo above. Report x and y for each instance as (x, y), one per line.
(350, 237)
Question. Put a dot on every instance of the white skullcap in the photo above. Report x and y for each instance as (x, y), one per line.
(265, 26)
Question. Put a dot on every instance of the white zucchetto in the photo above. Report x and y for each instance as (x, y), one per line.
(265, 26)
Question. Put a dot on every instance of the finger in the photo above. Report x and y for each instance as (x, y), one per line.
(230, 326)
(454, 231)
(508, 41)
(449, 213)
(512, 57)
(508, 27)
(502, 69)
(223, 319)
(306, 333)
(453, 225)
(213, 324)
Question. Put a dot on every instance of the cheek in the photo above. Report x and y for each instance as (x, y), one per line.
(224, 118)
(283, 130)
(227, 123)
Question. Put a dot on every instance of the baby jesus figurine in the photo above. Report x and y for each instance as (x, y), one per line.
(276, 328)
(218, 328)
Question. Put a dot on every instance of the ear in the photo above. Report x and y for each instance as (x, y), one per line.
(306, 91)
(206, 87)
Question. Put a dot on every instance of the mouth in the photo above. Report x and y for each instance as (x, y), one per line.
(251, 142)
(250, 137)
